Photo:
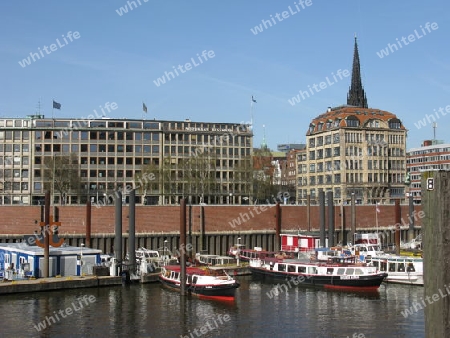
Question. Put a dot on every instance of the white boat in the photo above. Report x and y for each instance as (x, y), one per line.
(400, 269)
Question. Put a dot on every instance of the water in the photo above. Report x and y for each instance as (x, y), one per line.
(150, 311)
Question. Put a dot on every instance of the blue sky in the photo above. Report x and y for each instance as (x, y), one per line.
(117, 58)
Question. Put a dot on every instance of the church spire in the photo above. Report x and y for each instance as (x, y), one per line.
(356, 95)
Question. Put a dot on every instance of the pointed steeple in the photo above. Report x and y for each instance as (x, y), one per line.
(356, 95)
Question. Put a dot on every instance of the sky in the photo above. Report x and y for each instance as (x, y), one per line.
(216, 60)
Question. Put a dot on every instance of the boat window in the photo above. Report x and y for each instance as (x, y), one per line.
(175, 275)
(383, 266)
(194, 280)
(411, 267)
(392, 267)
(375, 264)
(302, 269)
(340, 271)
(359, 272)
(330, 271)
(401, 267)
(291, 268)
(312, 270)
(281, 267)
(350, 271)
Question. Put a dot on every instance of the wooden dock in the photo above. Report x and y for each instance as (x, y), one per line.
(57, 283)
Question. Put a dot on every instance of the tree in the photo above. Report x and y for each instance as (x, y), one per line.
(61, 174)
(263, 176)
(198, 176)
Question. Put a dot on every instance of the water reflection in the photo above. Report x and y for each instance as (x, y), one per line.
(152, 311)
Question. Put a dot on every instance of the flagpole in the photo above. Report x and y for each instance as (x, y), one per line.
(53, 107)
(251, 112)
(376, 216)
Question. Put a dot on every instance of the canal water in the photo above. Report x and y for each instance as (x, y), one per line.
(259, 310)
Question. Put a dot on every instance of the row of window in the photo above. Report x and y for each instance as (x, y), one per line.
(7, 186)
(429, 151)
(95, 135)
(351, 178)
(13, 173)
(14, 160)
(429, 159)
(84, 123)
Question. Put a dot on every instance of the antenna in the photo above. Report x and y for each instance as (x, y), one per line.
(434, 130)
(39, 106)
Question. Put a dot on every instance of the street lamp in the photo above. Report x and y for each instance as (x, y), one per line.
(165, 258)
(238, 251)
(81, 260)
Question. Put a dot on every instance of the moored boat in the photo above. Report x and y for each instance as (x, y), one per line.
(400, 269)
(201, 282)
(337, 273)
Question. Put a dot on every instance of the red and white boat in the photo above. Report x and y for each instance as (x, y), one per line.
(202, 282)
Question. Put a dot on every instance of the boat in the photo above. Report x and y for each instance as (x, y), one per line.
(342, 273)
(214, 260)
(200, 282)
(400, 269)
(239, 251)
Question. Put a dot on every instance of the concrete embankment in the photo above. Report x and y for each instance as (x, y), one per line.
(55, 283)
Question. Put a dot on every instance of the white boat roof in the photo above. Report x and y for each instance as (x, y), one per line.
(38, 251)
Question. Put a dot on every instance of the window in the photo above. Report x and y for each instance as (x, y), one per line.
(352, 121)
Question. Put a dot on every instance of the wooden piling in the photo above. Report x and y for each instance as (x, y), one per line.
(436, 251)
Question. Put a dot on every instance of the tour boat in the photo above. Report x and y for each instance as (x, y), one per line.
(248, 254)
(337, 273)
(201, 282)
(400, 269)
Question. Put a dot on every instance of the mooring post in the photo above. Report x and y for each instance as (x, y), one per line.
(132, 231)
(88, 224)
(277, 227)
(330, 219)
(398, 222)
(411, 218)
(46, 234)
(182, 249)
(308, 212)
(118, 232)
(322, 218)
(353, 219)
(436, 251)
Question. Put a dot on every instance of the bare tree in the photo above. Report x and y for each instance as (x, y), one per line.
(61, 174)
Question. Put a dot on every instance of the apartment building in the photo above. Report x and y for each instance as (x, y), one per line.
(432, 155)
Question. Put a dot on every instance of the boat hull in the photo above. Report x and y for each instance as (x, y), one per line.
(221, 292)
(371, 282)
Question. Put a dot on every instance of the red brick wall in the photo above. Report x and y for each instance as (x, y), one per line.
(25, 219)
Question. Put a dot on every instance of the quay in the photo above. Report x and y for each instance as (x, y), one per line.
(57, 283)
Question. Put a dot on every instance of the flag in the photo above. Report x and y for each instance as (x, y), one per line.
(56, 105)
(378, 209)
(253, 100)
(144, 107)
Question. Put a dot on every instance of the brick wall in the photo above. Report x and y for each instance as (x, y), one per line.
(25, 219)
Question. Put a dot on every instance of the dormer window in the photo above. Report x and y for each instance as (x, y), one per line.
(395, 124)
(352, 121)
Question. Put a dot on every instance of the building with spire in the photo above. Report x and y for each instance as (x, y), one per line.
(354, 150)
(356, 95)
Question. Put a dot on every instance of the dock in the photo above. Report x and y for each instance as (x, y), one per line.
(57, 283)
